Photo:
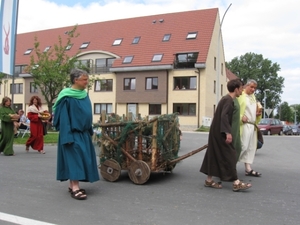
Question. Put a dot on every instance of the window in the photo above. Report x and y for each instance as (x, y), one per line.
(136, 40)
(18, 89)
(221, 68)
(185, 109)
(151, 83)
(19, 69)
(28, 51)
(192, 35)
(84, 45)
(33, 89)
(103, 85)
(157, 58)
(189, 83)
(128, 59)
(129, 84)
(84, 63)
(99, 107)
(215, 63)
(103, 65)
(47, 48)
(221, 89)
(69, 47)
(118, 41)
(186, 60)
(215, 86)
(154, 109)
(167, 37)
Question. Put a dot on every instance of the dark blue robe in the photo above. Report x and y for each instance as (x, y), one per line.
(76, 157)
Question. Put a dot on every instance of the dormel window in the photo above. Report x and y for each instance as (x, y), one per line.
(118, 41)
(192, 35)
(69, 47)
(186, 60)
(167, 37)
(47, 48)
(28, 51)
(128, 59)
(157, 58)
(136, 40)
(84, 45)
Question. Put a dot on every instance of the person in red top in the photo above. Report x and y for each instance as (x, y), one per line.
(36, 139)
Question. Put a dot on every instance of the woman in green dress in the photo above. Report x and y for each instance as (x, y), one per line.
(7, 117)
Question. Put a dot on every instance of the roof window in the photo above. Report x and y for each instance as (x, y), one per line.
(136, 40)
(47, 48)
(69, 47)
(157, 58)
(28, 51)
(128, 59)
(84, 45)
(167, 37)
(117, 41)
(192, 35)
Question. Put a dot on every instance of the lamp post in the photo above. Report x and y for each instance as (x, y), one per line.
(265, 101)
(218, 59)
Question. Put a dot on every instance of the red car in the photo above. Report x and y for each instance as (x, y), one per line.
(269, 126)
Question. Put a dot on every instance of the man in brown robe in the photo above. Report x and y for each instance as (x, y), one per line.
(220, 157)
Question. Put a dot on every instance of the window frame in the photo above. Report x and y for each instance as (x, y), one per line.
(188, 82)
(117, 41)
(105, 85)
(152, 83)
(131, 84)
(108, 108)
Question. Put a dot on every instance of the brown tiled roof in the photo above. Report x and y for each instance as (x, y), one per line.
(102, 35)
(230, 75)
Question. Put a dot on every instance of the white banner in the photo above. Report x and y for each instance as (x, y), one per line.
(8, 21)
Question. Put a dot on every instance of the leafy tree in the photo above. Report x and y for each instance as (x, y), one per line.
(50, 69)
(254, 66)
(285, 112)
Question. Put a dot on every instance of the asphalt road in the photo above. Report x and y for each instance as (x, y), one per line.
(29, 193)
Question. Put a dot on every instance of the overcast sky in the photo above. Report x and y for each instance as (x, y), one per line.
(267, 27)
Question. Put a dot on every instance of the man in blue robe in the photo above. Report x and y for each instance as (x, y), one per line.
(76, 158)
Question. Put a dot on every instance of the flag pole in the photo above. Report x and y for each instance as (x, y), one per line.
(14, 58)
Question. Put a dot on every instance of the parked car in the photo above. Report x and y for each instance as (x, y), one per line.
(287, 130)
(295, 129)
(269, 126)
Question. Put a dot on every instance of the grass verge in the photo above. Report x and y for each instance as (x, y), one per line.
(50, 138)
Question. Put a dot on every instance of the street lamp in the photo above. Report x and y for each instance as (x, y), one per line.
(265, 101)
(218, 58)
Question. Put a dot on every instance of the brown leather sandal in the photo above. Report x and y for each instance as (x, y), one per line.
(241, 186)
(213, 184)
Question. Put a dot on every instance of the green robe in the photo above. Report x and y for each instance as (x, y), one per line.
(236, 138)
(7, 134)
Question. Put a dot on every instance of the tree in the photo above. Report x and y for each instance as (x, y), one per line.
(254, 66)
(50, 69)
(284, 111)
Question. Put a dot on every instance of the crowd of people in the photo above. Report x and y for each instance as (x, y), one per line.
(232, 137)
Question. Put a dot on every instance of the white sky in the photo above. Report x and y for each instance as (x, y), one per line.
(267, 27)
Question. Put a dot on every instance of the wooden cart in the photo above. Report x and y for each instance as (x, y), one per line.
(140, 147)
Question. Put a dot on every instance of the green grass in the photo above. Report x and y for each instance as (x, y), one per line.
(203, 129)
(50, 138)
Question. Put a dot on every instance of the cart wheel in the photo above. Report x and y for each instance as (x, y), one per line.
(110, 170)
(139, 172)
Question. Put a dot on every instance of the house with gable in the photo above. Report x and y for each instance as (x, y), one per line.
(149, 65)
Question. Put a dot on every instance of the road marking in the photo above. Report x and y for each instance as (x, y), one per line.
(21, 220)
